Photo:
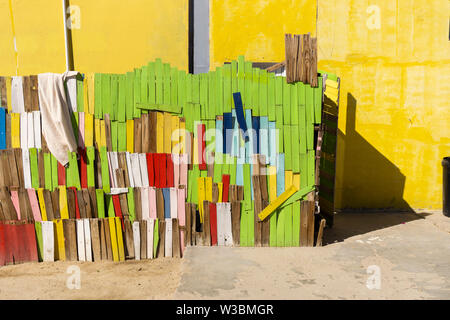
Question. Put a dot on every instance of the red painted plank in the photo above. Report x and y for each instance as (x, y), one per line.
(2, 244)
(201, 147)
(117, 209)
(83, 168)
(169, 172)
(226, 187)
(77, 208)
(213, 223)
(61, 175)
(29, 235)
(150, 169)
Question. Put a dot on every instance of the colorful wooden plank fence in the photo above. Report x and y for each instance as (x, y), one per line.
(165, 160)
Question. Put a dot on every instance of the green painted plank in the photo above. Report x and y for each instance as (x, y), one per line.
(73, 173)
(131, 206)
(286, 103)
(255, 92)
(232, 171)
(181, 88)
(155, 237)
(194, 185)
(159, 73)
(122, 95)
(74, 120)
(296, 224)
(54, 164)
(98, 111)
(288, 226)
(129, 95)
(228, 103)
(114, 97)
(144, 84)
(114, 135)
(204, 96)
(100, 203)
(311, 167)
(279, 90)
(251, 225)
(137, 92)
(48, 171)
(39, 241)
(280, 127)
(174, 86)
(309, 118)
(105, 170)
(271, 96)
(234, 78)
(151, 83)
(302, 116)
(273, 229)
(122, 137)
(219, 92)
(294, 103)
(247, 187)
(303, 170)
(287, 148)
(263, 92)
(217, 170)
(80, 93)
(212, 94)
(34, 168)
(109, 205)
(189, 80)
(247, 97)
(166, 83)
(243, 228)
(318, 95)
(295, 149)
(241, 75)
(196, 88)
(106, 93)
(90, 155)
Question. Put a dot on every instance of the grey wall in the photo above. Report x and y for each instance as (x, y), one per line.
(201, 35)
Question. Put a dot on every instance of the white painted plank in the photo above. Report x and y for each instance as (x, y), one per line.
(48, 242)
(17, 102)
(30, 130)
(135, 167)
(72, 93)
(168, 239)
(137, 240)
(144, 172)
(150, 229)
(87, 240)
(24, 130)
(173, 203)
(37, 129)
(80, 240)
(145, 203)
(226, 218)
(130, 171)
(26, 168)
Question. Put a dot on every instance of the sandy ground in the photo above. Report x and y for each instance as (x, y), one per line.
(410, 250)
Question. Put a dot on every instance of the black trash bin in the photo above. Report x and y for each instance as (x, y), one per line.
(445, 186)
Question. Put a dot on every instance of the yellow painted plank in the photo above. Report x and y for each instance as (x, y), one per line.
(332, 93)
(86, 95)
(273, 183)
(120, 239)
(201, 196)
(60, 249)
(112, 231)
(15, 130)
(130, 136)
(102, 133)
(296, 180)
(91, 93)
(220, 188)
(331, 83)
(278, 202)
(97, 136)
(63, 202)
(88, 129)
(288, 176)
(167, 132)
(183, 134)
(8, 94)
(159, 132)
(208, 188)
(175, 132)
(40, 192)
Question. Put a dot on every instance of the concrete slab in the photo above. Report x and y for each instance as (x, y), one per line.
(410, 251)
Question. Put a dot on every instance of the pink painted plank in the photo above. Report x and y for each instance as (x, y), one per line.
(34, 204)
(15, 201)
(152, 202)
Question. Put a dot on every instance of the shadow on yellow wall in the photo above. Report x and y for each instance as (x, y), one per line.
(375, 178)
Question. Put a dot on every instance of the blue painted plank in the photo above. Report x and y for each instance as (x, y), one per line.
(249, 142)
(280, 174)
(228, 132)
(255, 126)
(166, 195)
(2, 128)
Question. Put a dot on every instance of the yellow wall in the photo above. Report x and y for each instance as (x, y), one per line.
(114, 36)
(256, 28)
(394, 123)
